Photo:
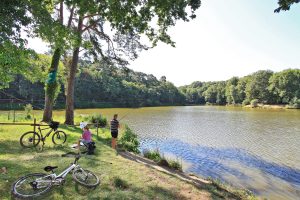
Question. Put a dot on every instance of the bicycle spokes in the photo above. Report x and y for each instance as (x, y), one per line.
(33, 184)
(30, 139)
(59, 137)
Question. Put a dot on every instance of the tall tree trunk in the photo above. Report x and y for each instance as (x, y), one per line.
(70, 88)
(71, 79)
(51, 86)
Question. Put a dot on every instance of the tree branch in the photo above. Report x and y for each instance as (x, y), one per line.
(61, 12)
(91, 25)
(91, 15)
(71, 16)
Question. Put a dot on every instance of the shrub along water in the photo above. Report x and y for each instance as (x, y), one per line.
(97, 118)
(156, 156)
(129, 141)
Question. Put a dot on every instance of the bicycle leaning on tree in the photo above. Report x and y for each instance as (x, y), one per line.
(36, 184)
(33, 138)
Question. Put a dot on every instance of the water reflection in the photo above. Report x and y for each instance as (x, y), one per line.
(225, 163)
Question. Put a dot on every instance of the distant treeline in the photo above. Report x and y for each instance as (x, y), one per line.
(98, 86)
(263, 86)
(107, 86)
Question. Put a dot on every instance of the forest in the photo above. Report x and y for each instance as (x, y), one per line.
(96, 85)
(263, 86)
(99, 85)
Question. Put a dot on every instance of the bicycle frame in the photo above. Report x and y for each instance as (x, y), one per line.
(57, 179)
(47, 135)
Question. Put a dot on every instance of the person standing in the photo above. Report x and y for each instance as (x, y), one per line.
(114, 125)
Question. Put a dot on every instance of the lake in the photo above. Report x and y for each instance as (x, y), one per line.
(256, 149)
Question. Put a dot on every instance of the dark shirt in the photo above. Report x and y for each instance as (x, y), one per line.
(114, 125)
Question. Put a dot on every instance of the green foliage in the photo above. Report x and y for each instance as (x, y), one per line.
(14, 59)
(156, 156)
(28, 111)
(129, 140)
(254, 103)
(246, 102)
(175, 164)
(13, 18)
(257, 86)
(107, 87)
(97, 118)
(152, 155)
(52, 90)
(264, 85)
(285, 5)
(294, 103)
(285, 85)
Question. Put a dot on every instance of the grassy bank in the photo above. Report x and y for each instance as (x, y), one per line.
(121, 178)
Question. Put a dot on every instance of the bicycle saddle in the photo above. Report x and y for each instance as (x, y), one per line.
(50, 168)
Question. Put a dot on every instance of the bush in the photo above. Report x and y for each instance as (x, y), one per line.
(245, 102)
(161, 160)
(28, 110)
(254, 103)
(295, 103)
(175, 164)
(97, 119)
(152, 155)
(129, 140)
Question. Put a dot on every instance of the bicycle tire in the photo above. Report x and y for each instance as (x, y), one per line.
(33, 140)
(85, 178)
(59, 136)
(22, 182)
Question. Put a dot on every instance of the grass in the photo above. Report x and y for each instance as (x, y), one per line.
(161, 160)
(120, 178)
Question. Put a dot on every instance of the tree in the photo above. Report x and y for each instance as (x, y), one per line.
(257, 86)
(13, 54)
(231, 90)
(34, 18)
(285, 85)
(128, 20)
(285, 5)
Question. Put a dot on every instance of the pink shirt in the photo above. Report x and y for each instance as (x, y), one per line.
(87, 135)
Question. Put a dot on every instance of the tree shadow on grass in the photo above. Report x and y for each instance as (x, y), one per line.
(163, 193)
(14, 171)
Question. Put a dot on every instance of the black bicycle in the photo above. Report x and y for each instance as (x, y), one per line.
(32, 138)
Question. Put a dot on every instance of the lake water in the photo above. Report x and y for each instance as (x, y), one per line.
(255, 149)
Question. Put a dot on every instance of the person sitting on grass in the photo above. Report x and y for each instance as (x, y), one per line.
(86, 136)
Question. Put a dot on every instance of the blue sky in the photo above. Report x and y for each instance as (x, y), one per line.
(228, 38)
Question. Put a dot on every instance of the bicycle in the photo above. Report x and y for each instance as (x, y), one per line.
(36, 184)
(32, 138)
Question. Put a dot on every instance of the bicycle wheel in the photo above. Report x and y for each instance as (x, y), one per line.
(59, 137)
(32, 185)
(30, 139)
(85, 178)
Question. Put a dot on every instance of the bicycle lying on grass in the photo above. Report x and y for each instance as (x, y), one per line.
(36, 184)
(32, 138)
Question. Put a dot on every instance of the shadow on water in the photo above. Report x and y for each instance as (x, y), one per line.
(209, 161)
